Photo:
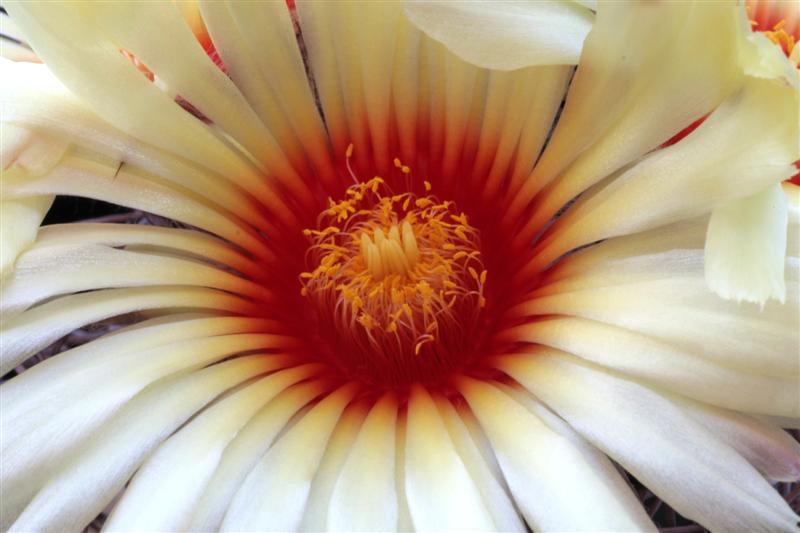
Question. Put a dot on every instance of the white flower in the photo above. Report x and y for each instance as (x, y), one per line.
(408, 300)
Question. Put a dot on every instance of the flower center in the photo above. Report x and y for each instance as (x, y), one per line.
(398, 281)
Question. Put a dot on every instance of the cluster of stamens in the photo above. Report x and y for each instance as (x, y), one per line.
(396, 273)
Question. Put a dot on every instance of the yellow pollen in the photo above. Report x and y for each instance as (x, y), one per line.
(393, 271)
(779, 36)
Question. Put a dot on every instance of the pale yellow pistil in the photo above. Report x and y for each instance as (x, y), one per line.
(394, 252)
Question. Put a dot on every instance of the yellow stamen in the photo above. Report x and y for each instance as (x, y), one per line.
(392, 268)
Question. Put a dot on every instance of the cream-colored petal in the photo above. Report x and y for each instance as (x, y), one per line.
(157, 35)
(491, 484)
(85, 484)
(505, 35)
(91, 175)
(744, 147)
(701, 477)
(321, 37)
(13, 46)
(646, 72)
(318, 506)
(19, 222)
(174, 241)
(364, 498)
(275, 83)
(38, 431)
(441, 495)
(376, 38)
(35, 329)
(38, 101)
(93, 67)
(405, 87)
(163, 494)
(556, 486)
(274, 494)
(652, 283)
(26, 149)
(768, 448)
(29, 152)
(746, 247)
(247, 447)
(54, 270)
(663, 365)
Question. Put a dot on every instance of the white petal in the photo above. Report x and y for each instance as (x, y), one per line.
(505, 35)
(744, 147)
(647, 71)
(39, 102)
(746, 247)
(481, 468)
(274, 83)
(19, 222)
(163, 494)
(180, 242)
(768, 448)
(652, 283)
(318, 506)
(364, 498)
(53, 270)
(33, 330)
(83, 486)
(322, 36)
(93, 67)
(242, 453)
(441, 495)
(680, 461)
(557, 487)
(94, 176)
(157, 35)
(51, 408)
(663, 365)
(274, 494)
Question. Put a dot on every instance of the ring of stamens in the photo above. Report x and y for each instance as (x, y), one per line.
(399, 276)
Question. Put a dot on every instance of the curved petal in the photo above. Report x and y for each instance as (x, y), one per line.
(505, 35)
(29, 153)
(768, 448)
(481, 465)
(364, 498)
(163, 494)
(701, 477)
(92, 175)
(663, 365)
(83, 486)
(653, 283)
(249, 445)
(45, 272)
(19, 222)
(38, 102)
(648, 69)
(318, 506)
(743, 148)
(68, 40)
(38, 432)
(746, 248)
(274, 494)
(557, 486)
(441, 495)
(33, 330)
